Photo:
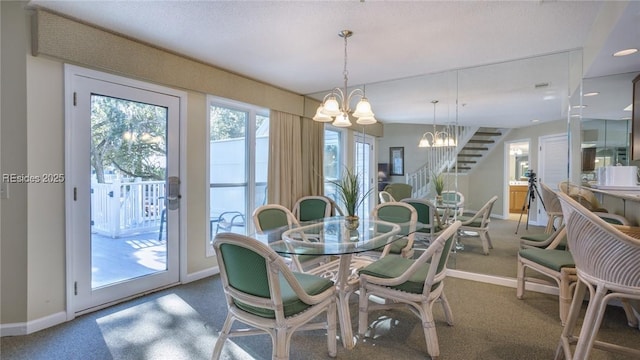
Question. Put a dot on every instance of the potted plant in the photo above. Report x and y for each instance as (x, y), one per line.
(438, 184)
(351, 196)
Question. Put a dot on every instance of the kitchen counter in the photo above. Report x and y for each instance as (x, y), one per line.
(622, 202)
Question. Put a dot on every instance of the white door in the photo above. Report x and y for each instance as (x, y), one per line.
(553, 167)
(123, 189)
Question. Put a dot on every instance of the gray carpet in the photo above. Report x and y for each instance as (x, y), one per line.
(182, 323)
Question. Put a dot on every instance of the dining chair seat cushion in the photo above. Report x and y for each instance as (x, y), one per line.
(292, 305)
(550, 258)
(542, 237)
(475, 223)
(392, 266)
(398, 245)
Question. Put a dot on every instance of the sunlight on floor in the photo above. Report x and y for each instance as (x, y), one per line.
(165, 328)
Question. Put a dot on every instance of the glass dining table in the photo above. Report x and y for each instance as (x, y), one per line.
(347, 251)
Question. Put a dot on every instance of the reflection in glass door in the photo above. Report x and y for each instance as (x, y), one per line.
(122, 159)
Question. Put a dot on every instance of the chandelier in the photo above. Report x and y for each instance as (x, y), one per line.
(336, 105)
(436, 138)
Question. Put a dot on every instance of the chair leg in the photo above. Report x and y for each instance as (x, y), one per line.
(520, 279)
(363, 317)
(280, 344)
(632, 314)
(222, 337)
(564, 294)
(566, 338)
(591, 324)
(429, 327)
(448, 314)
(489, 239)
(485, 242)
(332, 332)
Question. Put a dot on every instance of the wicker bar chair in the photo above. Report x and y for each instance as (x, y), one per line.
(607, 265)
(552, 207)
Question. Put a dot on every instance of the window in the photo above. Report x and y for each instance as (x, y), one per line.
(238, 165)
(333, 160)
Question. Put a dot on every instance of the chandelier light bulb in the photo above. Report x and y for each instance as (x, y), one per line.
(342, 120)
(321, 116)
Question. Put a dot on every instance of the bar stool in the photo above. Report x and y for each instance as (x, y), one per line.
(606, 258)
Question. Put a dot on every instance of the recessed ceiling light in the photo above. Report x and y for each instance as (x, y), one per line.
(579, 106)
(626, 52)
(593, 93)
(575, 115)
(535, 120)
(626, 118)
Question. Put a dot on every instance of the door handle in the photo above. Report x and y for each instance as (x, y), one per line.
(173, 195)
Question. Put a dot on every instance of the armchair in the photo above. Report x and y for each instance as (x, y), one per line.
(399, 191)
(398, 213)
(414, 283)
(478, 222)
(266, 295)
(428, 217)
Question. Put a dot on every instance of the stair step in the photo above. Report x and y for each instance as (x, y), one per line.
(479, 141)
(475, 148)
(469, 155)
(487, 133)
(467, 162)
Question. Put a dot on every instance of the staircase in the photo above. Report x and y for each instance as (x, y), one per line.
(477, 148)
(474, 143)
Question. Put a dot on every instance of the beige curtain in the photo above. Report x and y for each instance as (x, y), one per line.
(295, 158)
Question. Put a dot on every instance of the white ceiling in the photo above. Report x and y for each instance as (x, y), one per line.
(402, 51)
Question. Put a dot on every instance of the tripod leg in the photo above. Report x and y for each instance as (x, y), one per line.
(524, 205)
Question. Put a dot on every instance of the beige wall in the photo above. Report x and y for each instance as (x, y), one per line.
(13, 238)
(33, 218)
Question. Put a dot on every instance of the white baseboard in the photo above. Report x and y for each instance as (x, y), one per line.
(201, 274)
(17, 329)
(502, 281)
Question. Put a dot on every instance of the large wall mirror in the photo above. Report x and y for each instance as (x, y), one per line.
(534, 93)
(606, 124)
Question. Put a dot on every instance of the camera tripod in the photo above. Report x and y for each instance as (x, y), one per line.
(531, 196)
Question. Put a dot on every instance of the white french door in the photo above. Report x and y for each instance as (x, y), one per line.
(123, 188)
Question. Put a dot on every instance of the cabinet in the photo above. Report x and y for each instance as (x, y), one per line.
(517, 197)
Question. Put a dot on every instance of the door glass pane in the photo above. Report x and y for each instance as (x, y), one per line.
(261, 160)
(362, 161)
(128, 171)
(332, 161)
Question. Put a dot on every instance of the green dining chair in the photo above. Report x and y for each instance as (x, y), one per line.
(274, 216)
(413, 283)
(263, 293)
(309, 208)
(427, 216)
(402, 214)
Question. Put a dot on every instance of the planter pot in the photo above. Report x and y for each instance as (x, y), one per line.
(352, 222)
